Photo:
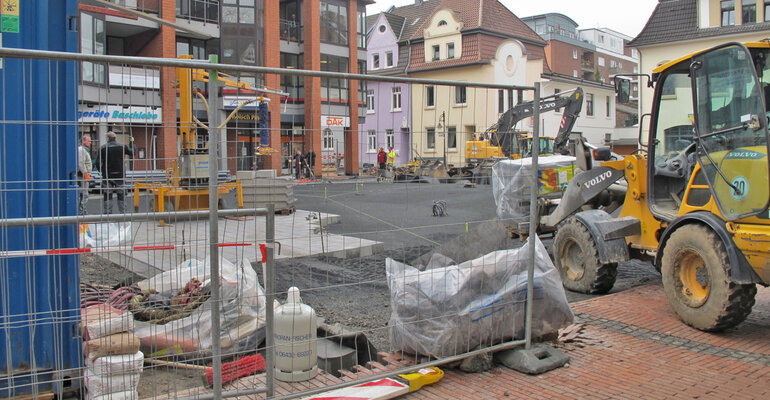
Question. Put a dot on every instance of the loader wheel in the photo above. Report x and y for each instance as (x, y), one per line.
(696, 277)
(575, 255)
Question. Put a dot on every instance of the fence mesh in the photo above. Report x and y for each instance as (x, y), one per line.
(107, 278)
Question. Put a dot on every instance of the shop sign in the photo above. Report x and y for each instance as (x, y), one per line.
(332, 121)
(9, 16)
(135, 114)
(232, 102)
(245, 117)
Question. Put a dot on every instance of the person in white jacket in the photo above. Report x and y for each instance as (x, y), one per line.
(84, 172)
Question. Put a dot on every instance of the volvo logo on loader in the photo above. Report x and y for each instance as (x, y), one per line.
(599, 179)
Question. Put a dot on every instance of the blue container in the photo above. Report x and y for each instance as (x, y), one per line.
(40, 348)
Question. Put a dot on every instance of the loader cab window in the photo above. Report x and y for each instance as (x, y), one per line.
(671, 149)
(732, 128)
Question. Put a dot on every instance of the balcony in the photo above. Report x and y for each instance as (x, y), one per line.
(291, 30)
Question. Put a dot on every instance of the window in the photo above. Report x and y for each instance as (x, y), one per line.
(601, 61)
(239, 12)
(608, 106)
(382, 28)
(589, 104)
(450, 50)
(767, 10)
(634, 53)
(555, 92)
(510, 98)
(363, 89)
(749, 12)
(370, 101)
(500, 100)
(361, 28)
(375, 61)
(371, 141)
(92, 40)
(451, 138)
(395, 98)
(728, 12)
(436, 52)
(574, 54)
(613, 64)
(430, 96)
(460, 97)
(620, 64)
(431, 137)
(390, 138)
(294, 85)
(196, 48)
(601, 39)
(334, 89)
(608, 138)
(328, 140)
(574, 73)
(334, 22)
(388, 58)
(196, 10)
(442, 23)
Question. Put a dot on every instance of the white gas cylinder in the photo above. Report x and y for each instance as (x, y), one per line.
(294, 331)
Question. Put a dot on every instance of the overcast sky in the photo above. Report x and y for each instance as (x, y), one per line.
(627, 17)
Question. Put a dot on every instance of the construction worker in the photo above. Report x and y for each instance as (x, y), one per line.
(84, 172)
(391, 158)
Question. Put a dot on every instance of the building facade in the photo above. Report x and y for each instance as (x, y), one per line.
(141, 106)
(387, 121)
(678, 28)
(460, 41)
(588, 58)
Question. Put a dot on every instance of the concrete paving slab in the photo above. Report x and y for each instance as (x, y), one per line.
(298, 234)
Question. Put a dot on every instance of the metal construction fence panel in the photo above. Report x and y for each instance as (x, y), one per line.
(247, 255)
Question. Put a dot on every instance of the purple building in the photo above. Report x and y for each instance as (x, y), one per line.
(388, 111)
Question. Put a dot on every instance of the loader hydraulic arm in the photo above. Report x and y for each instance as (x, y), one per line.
(571, 101)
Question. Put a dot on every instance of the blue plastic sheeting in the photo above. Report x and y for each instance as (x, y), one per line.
(40, 350)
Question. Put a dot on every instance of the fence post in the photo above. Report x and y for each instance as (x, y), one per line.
(533, 217)
(269, 296)
(216, 351)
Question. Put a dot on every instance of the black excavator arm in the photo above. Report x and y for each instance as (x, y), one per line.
(571, 101)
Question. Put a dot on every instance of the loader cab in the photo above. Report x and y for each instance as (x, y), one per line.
(709, 119)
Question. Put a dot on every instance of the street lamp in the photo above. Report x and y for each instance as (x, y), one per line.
(442, 127)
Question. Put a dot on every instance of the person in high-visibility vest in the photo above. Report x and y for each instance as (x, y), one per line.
(391, 158)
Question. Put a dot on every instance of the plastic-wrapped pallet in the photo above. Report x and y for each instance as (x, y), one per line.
(512, 180)
(447, 310)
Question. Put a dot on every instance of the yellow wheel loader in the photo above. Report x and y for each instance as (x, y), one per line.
(697, 195)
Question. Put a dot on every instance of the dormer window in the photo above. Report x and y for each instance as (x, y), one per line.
(382, 28)
(436, 52)
(442, 23)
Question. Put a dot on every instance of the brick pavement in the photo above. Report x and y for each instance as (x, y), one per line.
(633, 346)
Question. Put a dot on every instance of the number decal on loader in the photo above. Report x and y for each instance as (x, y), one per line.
(742, 184)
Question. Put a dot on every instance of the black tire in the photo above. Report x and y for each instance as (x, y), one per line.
(577, 260)
(695, 271)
